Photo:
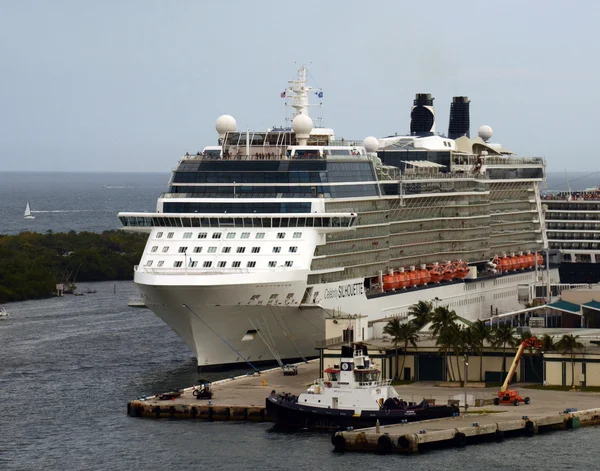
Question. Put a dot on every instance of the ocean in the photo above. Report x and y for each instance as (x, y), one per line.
(68, 367)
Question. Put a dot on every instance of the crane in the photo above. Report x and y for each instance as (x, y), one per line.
(510, 396)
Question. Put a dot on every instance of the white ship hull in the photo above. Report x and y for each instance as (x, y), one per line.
(217, 322)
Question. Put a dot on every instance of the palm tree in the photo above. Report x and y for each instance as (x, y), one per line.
(502, 336)
(421, 313)
(444, 340)
(401, 332)
(443, 325)
(568, 344)
(480, 334)
(459, 344)
(547, 343)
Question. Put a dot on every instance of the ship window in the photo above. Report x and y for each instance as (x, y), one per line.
(272, 264)
(245, 235)
(332, 376)
(251, 264)
(297, 235)
(236, 264)
(187, 235)
(155, 248)
(281, 235)
(212, 250)
(207, 264)
(160, 263)
(276, 249)
(177, 263)
(170, 235)
(240, 249)
(255, 249)
(183, 249)
(149, 263)
(260, 235)
(159, 235)
(289, 264)
(202, 235)
(226, 249)
(216, 235)
(222, 264)
(273, 296)
(231, 235)
(366, 376)
(165, 249)
(193, 264)
(197, 249)
(293, 249)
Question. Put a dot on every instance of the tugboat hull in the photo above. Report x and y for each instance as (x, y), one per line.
(291, 415)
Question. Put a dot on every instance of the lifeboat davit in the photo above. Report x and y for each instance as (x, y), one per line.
(436, 271)
(424, 275)
(389, 281)
(413, 277)
(402, 279)
(449, 271)
(462, 269)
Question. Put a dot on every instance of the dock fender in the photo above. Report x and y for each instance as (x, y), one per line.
(384, 444)
(156, 410)
(194, 412)
(499, 435)
(339, 442)
(459, 440)
(529, 428)
(404, 442)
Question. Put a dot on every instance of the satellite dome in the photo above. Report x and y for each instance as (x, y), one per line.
(485, 132)
(371, 144)
(225, 123)
(302, 124)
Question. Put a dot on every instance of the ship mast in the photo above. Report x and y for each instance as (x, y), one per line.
(298, 93)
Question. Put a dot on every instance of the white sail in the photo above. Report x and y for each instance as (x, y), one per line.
(28, 214)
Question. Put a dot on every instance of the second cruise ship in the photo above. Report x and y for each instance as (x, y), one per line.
(262, 237)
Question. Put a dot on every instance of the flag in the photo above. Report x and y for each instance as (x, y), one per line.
(283, 94)
(319, 94)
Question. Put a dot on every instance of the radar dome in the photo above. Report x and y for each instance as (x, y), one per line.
(485, 132)
(302, 124)
(225, 123)
(371, 144)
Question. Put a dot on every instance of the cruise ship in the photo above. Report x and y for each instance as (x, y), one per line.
(261, 238)
(573, 230)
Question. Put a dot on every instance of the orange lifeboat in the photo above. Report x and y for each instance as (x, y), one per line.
(389, 281)
(437, 272)
(462, 269)
(413, 277)
(512, 263)
(449, 271)
(540, 260)
(522, 261)
(530, 260)
(402, 279)
(425, 276)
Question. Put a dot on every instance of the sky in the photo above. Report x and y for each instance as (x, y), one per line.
(132, 85)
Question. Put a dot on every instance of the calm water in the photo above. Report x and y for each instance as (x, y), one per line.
(69, 365)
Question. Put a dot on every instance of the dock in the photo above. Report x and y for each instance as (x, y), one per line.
(240, 398)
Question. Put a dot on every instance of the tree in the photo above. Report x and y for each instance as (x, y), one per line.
(568, 344)
(401, 332)
(547, 343)
(502, 336)
(480, 334)
(421, 312)
(443, 326)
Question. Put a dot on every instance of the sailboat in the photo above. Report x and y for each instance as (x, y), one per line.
(28, 214)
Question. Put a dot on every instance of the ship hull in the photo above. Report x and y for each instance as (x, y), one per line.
(294, 416)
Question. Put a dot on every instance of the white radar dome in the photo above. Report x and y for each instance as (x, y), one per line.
(225, 123)
(371, 144)
(485, 132)
(302, 124)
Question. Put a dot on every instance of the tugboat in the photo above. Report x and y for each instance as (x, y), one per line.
(352, 395)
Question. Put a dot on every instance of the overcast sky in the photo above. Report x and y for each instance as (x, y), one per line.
(133, 85)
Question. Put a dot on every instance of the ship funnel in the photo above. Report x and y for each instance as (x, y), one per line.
(422, 115)
(459, 118)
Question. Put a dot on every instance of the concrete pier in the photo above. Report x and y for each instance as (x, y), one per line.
(240, 398)
(461, 431)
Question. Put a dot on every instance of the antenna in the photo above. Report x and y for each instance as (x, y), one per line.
(298, 93)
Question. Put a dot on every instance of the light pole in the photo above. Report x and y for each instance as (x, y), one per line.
(466, 360)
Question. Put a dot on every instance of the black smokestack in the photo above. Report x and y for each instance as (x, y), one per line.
(422, 115)
(460, 121)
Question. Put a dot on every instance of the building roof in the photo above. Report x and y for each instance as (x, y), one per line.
(565, 306)
(592, 305)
